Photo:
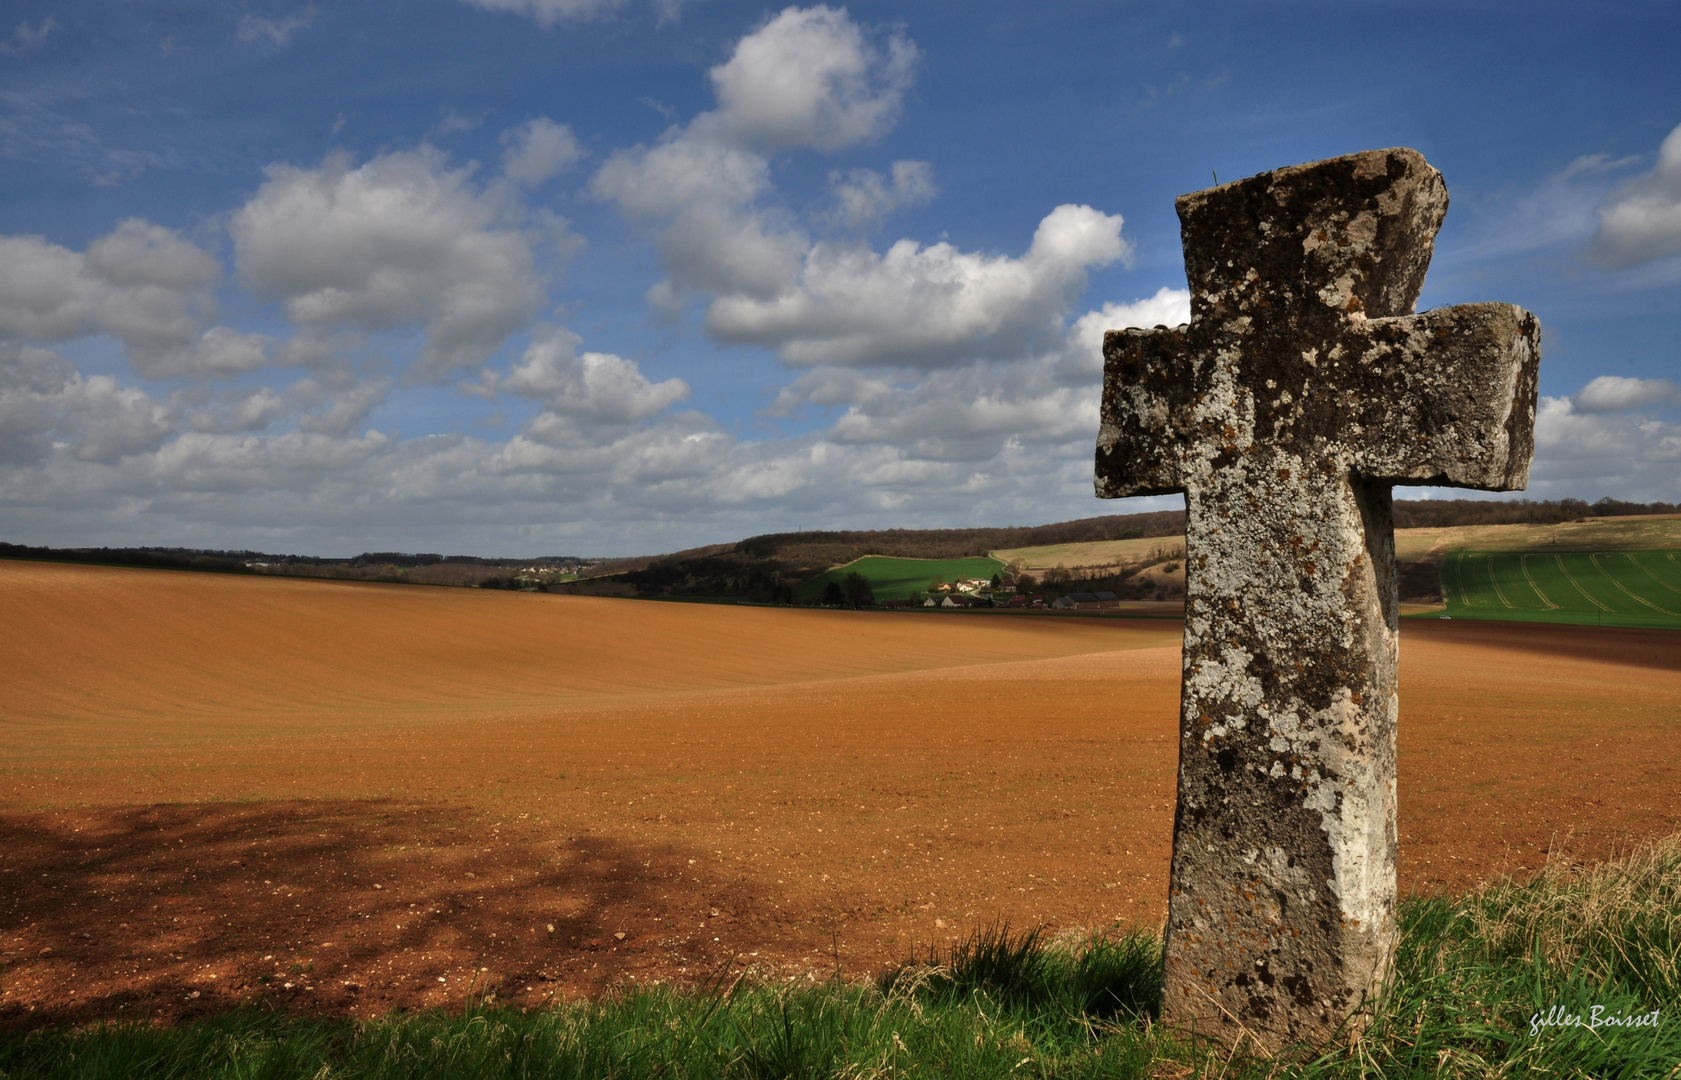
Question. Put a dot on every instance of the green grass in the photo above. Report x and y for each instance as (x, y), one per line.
(1606, 588)
(903, 579)
(1473, 974)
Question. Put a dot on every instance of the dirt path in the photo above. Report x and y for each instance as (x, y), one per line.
(382, 796)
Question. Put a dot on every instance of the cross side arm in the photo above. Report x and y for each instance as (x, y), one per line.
(1448, 397)
(1148, 395)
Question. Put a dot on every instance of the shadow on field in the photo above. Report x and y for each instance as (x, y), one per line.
(1647, 648)
(169, 911)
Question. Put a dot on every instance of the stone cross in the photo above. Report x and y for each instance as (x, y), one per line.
(1301, 391)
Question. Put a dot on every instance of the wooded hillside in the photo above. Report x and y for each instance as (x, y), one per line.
(1447, 513)
(770, 568)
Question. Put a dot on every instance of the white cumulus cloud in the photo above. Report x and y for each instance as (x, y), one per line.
(970, 415)
(331, 402)
(697, 197)
(141, 283)
(864, 196)
(219, 352)
(976, 411)
(336, 404)
(48, 292)
(809, 77)
(939, 385)
(538, 150)
(44, 401)
(1643, 219)
(1616, 393)
(1168, 307)
(593, 387)
(925, 306)
(203, 463)
(562, 483)
(1618, 454)
(240, 410)
(400, 240)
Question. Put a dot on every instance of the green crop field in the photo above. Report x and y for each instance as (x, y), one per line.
(1606, 588)
(903, 579)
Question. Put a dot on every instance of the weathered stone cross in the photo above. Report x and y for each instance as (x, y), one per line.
(1301, 391)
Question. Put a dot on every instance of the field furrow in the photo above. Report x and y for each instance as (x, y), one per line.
(1533, 584)
(1494, 583)
(1640, 560)
(1610, 575)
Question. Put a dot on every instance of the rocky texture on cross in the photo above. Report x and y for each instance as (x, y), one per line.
(1301, 391)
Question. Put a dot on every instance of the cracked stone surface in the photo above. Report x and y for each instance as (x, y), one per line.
(1301, 391)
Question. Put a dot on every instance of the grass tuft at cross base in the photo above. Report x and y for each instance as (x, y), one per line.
(1485, 986)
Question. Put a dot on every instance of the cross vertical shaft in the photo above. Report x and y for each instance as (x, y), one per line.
(1301, 391)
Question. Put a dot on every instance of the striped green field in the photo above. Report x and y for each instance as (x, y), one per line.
(903, 579)
(1606, 588)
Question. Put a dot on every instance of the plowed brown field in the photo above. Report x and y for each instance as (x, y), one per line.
(350, 797)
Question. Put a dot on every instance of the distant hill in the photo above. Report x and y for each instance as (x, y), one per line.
(1450, 513)
(1124, 566)
(387, 566)
(771, 568)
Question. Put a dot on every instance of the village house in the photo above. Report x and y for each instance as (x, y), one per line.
(1085, 601)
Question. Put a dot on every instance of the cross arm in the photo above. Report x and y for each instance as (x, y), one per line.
(1451, 397)
(1147, 402)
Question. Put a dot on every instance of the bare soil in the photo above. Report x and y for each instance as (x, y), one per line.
(349, 798)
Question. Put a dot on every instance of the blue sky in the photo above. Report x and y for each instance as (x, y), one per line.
(615, 276)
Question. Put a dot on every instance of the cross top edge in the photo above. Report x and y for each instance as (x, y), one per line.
(1303, 339)
(1353, 234)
